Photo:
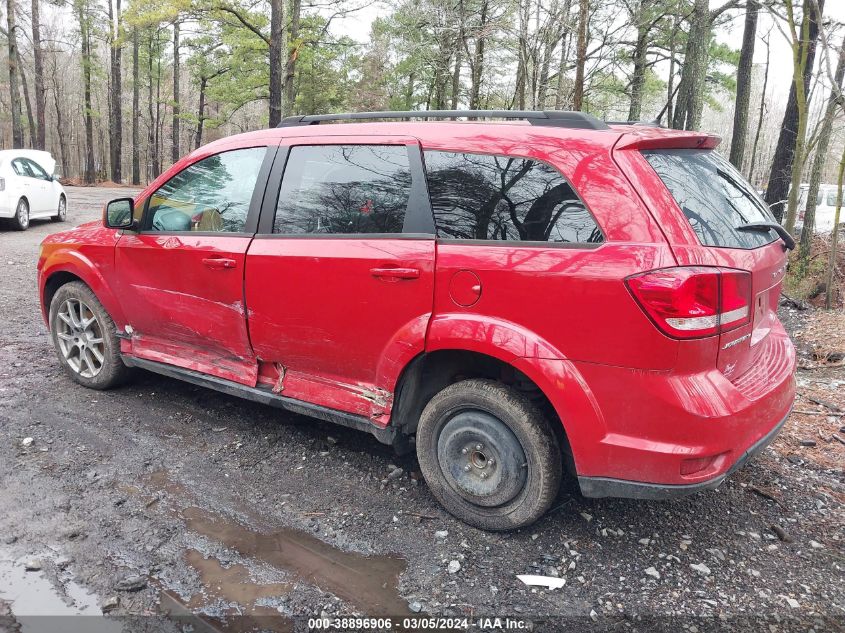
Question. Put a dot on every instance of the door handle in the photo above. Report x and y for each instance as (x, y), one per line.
(219, 262)
(396, 273)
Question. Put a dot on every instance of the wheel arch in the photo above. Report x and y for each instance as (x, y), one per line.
(430, 372)
(76, 267)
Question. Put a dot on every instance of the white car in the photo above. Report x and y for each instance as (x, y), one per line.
(825, 209)
(28, 189)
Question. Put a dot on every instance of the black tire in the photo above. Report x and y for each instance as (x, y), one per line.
(110, 371)
(521, 485)
(20, 221)
(61, 211)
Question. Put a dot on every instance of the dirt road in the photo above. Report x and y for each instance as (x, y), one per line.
(161, 493)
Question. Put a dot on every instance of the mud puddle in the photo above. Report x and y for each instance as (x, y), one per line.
(212, 609)
(38, 606)
(367, 582)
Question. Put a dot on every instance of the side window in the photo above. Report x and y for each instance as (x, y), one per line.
(36, 170)
(483, 197)
(211, 195)
(342, 189)
(21, 168)
(831, 197)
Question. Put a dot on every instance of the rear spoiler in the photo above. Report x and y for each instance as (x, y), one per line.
(666, 139)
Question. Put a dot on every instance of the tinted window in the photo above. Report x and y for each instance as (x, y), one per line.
(344, 189)
(482, 197)
(831, 197)
(210, 195)
(714, 197)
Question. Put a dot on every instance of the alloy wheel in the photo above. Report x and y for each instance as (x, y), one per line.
(80, 338)
(23, 213)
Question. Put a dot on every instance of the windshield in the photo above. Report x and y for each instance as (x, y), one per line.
(715, 197)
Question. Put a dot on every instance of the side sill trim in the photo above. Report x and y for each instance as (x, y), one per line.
(597, 487)
(386, 435)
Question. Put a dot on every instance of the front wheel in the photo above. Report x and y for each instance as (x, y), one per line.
(85, 338)
(489, 455)
(61, 211)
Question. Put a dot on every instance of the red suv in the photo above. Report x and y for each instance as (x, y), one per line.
(511, 297)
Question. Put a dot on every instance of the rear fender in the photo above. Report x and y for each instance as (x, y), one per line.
(557, 377)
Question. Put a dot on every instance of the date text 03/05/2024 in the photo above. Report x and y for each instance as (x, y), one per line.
(417, 623)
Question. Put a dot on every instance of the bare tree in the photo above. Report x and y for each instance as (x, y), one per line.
(581, 54)
(794, 124)
(14, 93)
(743, 85)
(40, 91)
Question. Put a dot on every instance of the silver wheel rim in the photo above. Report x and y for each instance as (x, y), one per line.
(80, 338)
(62, 208)
(23, 213)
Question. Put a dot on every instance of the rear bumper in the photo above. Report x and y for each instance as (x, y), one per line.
(653, 434)
(597, 487)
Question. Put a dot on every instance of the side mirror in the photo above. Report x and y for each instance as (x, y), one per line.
(119, 214)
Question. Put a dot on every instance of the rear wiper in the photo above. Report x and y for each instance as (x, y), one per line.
(765, 227)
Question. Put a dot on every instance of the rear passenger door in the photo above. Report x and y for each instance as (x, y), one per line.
(339, 279)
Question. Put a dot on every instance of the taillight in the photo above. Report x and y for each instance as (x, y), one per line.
(694, 301)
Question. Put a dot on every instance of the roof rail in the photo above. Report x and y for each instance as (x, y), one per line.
(552, 118)
(637, 123)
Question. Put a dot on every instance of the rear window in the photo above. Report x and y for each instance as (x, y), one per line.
(715, 197)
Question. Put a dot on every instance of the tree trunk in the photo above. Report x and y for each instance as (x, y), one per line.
(782, 163)
(136, 110)
(116, 104)
(459, 50)
(200, 112)
(821, 158)
(293, 54)
(61, 132)
(85, 33)
(152, 130)
(14, 91)
(175, 152)
(581, 55)
(30, 120)
(762, 114)
(639, 60)
(670, 86)
(522, 65)
(478, 58)
(743, 85)
(277, 46)
(834, 237)
(40, 92)
(690, 103)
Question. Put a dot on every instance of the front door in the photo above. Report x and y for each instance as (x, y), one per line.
(182, 273)
(340, 277)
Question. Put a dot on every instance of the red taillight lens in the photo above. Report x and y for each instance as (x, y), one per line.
(693, 301)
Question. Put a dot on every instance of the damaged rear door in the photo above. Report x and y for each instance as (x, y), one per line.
(340, 277)
(181, 275)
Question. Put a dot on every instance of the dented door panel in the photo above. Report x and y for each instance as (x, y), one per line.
(326, 329)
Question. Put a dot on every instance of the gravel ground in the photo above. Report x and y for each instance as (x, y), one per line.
(161, 494)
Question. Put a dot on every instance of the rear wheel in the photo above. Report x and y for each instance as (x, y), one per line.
(85, 338)
(489, 455)
(21, 219)
(61, 211)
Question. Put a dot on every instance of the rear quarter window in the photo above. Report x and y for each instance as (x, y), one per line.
(713, 196)
(505, 198)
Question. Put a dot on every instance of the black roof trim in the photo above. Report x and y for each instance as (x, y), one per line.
(551, 118)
